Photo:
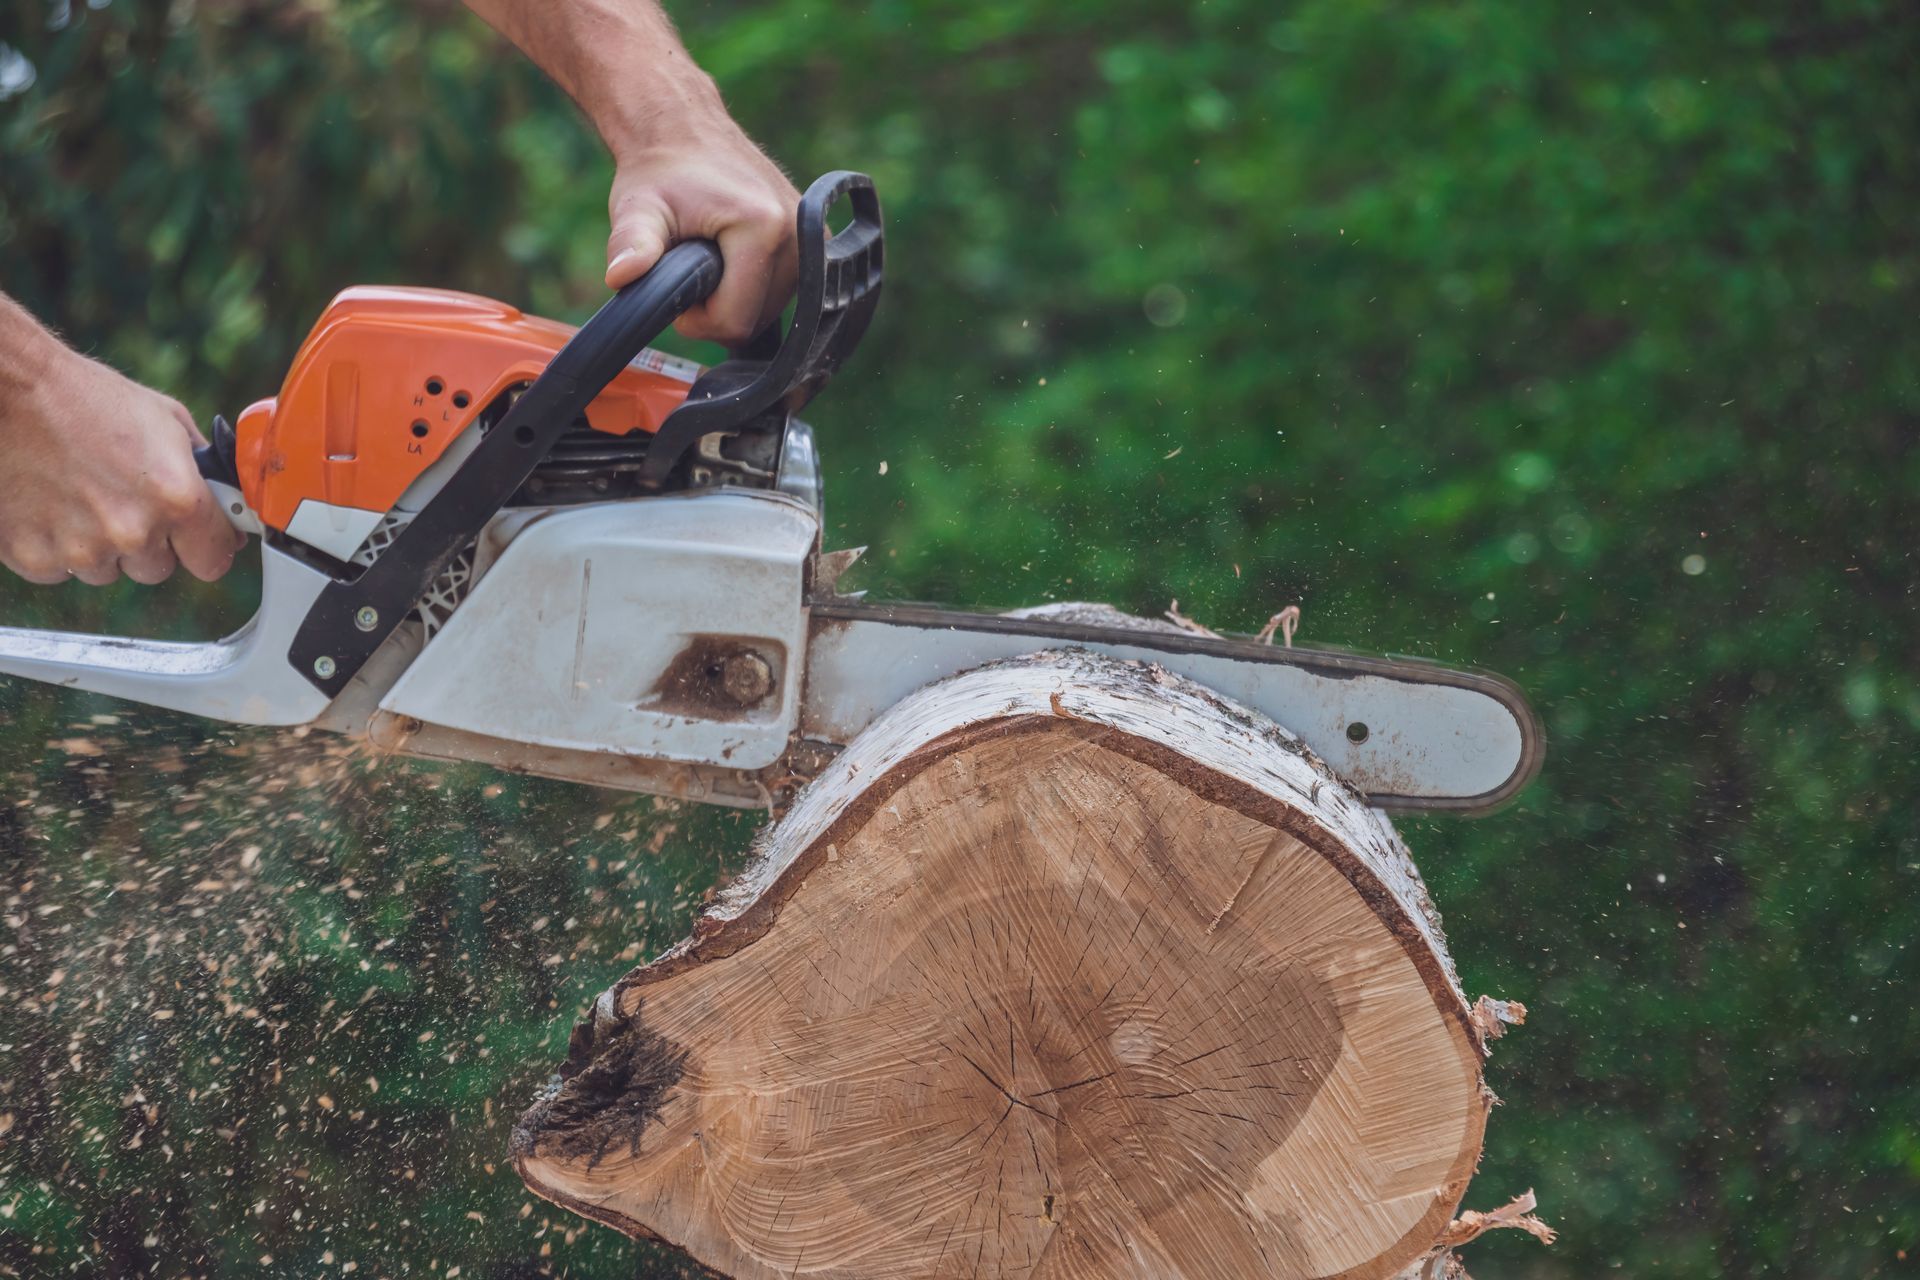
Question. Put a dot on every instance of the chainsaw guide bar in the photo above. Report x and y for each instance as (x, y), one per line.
(1407, 733)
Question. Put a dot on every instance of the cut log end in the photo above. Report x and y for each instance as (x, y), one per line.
(1064, 969)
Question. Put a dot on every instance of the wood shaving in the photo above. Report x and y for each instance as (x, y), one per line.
(1493, 1017)
(1286, 622)
(1185, 623)
(1516, 1214)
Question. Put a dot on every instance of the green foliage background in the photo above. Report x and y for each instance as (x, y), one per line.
(1575, 343)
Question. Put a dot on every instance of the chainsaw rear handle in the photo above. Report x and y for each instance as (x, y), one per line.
(352, 617)
(220, 468)
(217, 458)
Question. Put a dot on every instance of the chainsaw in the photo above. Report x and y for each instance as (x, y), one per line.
(487, 536)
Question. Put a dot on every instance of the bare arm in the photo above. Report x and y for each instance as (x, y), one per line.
(682, 168)
(98, 470)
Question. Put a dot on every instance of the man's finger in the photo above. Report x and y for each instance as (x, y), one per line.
(98, 573)
(150, 568)
(786, 274)
(639, 238)
(182, 416)
(733, 314)
(205, 542)
(37, 564)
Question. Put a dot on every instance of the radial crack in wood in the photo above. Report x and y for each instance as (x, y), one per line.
(1065, 968)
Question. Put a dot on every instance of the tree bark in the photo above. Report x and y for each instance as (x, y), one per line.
(1065, 968)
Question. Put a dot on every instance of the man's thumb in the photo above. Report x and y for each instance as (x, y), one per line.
(636, 244)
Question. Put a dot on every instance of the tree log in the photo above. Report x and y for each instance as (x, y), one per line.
(1064, 968)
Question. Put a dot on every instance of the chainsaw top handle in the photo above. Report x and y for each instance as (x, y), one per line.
(351, 618)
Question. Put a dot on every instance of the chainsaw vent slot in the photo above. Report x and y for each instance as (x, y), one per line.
(583, 448)
(585, 465)
(443, 594)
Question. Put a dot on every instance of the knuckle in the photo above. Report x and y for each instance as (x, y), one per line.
(126, 532)
(38, 559)
(726, 330)
(772, 211)
(697, 328)
(211, 570)
(759, 213)
(120, 532)
(177, 500)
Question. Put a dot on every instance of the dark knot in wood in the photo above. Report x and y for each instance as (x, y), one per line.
(618, 1076)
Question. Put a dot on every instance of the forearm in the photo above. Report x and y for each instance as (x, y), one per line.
(620, 60)
(682, 168)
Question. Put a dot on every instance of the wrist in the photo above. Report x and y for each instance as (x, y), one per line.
(662, 114)
(33, 368)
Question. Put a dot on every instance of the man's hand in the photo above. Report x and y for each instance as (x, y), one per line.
(100, 481)
(721, 188)
(683, 169)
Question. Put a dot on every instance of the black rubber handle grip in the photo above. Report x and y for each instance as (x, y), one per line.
(640, 312)
(351, 619)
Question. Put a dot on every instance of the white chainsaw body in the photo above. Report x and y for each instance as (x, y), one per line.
(593, 628)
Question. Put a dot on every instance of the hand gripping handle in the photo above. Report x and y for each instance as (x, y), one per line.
(352, 618)
(838, 289)
(242, 678)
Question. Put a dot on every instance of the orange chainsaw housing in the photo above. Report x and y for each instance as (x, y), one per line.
(389, 377)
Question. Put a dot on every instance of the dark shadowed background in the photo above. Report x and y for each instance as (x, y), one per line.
(1577, 344)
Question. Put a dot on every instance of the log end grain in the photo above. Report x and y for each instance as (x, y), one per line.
(1066, 968)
